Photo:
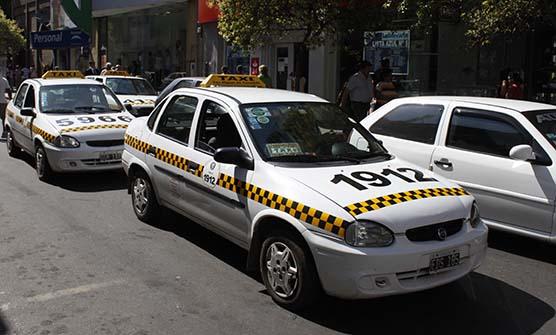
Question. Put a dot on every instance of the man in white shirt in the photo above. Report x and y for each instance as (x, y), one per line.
(4, 88)
(360, 89)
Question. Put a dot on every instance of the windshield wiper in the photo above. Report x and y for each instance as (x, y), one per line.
(344, 158)
(59, 111)
(302, 158)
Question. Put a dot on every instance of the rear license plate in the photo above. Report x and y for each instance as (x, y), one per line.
(110, 156)
(444, 260)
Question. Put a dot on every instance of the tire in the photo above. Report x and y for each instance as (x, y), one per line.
(42, 166)
(294, 292)
(143, 198)
(13, 149)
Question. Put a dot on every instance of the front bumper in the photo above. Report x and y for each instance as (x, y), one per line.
(358, 273)
(82, 159)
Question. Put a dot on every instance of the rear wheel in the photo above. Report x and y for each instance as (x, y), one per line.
(44, 172)
(144, 201)
(13, 149)
(288, 271)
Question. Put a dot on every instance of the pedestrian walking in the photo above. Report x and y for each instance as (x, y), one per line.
(4, 88)
(385, 90)
(513, 88)
(25, 72)
(224, 70)
(360, 91)
(107, 67)
(384, 68)
(92, 69)
(239, 69)
(264, 77)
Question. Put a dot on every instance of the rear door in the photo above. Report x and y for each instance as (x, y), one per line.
(410, 130)
(19, 131)
(475, 153)
(29, 103)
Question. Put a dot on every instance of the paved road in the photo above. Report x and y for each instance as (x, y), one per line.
(75, 260)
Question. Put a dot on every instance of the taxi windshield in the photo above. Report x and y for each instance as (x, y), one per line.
(545, 122)
(130, 86)
(308, 132)
(76, 99)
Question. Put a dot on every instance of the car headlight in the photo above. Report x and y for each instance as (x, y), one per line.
(64, 141)
(474, 217)
(368, 234)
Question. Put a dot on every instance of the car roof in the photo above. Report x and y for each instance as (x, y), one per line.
(65, 81)
(191, 78)
(246, 95)
(516, 105)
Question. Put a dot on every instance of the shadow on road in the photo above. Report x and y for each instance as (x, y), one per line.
(476, 304)
(522, 246)
(4, 328)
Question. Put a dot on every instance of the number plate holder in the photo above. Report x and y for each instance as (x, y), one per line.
(444, 260)
(110, 156)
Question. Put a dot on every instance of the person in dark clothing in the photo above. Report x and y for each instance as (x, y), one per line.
(384, 68)
(92, 69)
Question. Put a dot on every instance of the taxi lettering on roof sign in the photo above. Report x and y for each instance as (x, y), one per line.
(62, 74)
(232, 80)
(117, 73)
(316, 200)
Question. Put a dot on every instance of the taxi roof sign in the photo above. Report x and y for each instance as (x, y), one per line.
(232, 80)
(63, 74)
(117, 73)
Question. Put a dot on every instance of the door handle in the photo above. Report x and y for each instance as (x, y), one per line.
(151, 151)
(443, 163)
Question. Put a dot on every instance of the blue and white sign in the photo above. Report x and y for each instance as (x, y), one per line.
(60, 39)
(391, 44)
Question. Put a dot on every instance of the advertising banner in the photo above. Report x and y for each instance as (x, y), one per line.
(71, 14)
(391, 44)
(59, 39)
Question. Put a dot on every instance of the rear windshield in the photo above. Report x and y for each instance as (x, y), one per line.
(545, 122)
(130, 86)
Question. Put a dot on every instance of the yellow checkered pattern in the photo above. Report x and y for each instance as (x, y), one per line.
(180, 162)
(45, 135)
(302, 212)
(398, 198)
(92, 127)
(136, 144)
(11, 114)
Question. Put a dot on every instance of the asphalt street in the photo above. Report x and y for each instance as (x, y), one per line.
(75, 260)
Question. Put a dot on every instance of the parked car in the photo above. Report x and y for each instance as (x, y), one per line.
(171, 77)
(187, 82)
(502, 151)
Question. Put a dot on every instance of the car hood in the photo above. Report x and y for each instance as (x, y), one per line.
(373, 192)
(138, 100)
(91, 126)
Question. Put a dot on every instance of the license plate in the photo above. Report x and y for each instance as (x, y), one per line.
(110, 156)
(444, 260)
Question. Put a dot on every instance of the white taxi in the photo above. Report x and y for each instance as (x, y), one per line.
(274, 172)
(67, 123)
(134, 91)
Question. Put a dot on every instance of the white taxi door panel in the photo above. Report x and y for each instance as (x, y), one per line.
(409, 131)
(19, 131)
(167, 157)
(223, 208)
(508, 191)
(30, 103)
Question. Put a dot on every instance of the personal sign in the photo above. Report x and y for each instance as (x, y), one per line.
(232, 80)
(62, 74)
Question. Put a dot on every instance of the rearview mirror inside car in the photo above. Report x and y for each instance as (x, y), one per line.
(522, 152)
(234, 155)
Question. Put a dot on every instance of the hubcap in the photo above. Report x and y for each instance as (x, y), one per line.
(140, 195)
(281, 269)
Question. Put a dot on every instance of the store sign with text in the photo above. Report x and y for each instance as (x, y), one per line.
(391, 44)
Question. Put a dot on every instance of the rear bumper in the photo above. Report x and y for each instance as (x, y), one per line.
(82, 159)
(359, 273)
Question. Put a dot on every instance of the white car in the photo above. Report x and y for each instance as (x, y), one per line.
(273, 171)
(502, 151)
(134, 91)
(68, 125)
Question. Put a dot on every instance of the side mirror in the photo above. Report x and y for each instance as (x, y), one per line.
(128, 107)
(236, 156)
(522, 152)
(28, 112)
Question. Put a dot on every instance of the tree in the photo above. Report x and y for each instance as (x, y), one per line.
(485, 19)
(11, 36)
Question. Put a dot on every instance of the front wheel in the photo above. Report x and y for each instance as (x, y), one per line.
(288, 271)
(44, 172)
(13, 149)
(144, 201)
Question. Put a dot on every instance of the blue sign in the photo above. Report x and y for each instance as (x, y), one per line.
(60, 39)
(393, 45)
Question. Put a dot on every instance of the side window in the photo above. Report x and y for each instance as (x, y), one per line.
(99, 80)
(177, 118)
(154, 115)
(412, 122)
(30, 98)
(485, 132)
(216, 129)
(184, 84)
(21, 95)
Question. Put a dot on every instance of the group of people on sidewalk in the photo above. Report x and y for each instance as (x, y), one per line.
(363, 92)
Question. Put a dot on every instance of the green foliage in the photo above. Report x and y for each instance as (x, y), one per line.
(11, 36)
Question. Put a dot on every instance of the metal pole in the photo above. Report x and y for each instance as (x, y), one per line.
(27, 58)
(38, 65)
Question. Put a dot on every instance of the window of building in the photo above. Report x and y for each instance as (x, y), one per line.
(177, 118)
(412, 122)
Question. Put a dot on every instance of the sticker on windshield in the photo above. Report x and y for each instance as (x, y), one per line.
(263, 119)
(551, 136)
(257, 112)
(283, 149)
(546, 117)
(253, 123)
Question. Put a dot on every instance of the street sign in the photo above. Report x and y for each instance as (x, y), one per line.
(59, 39)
